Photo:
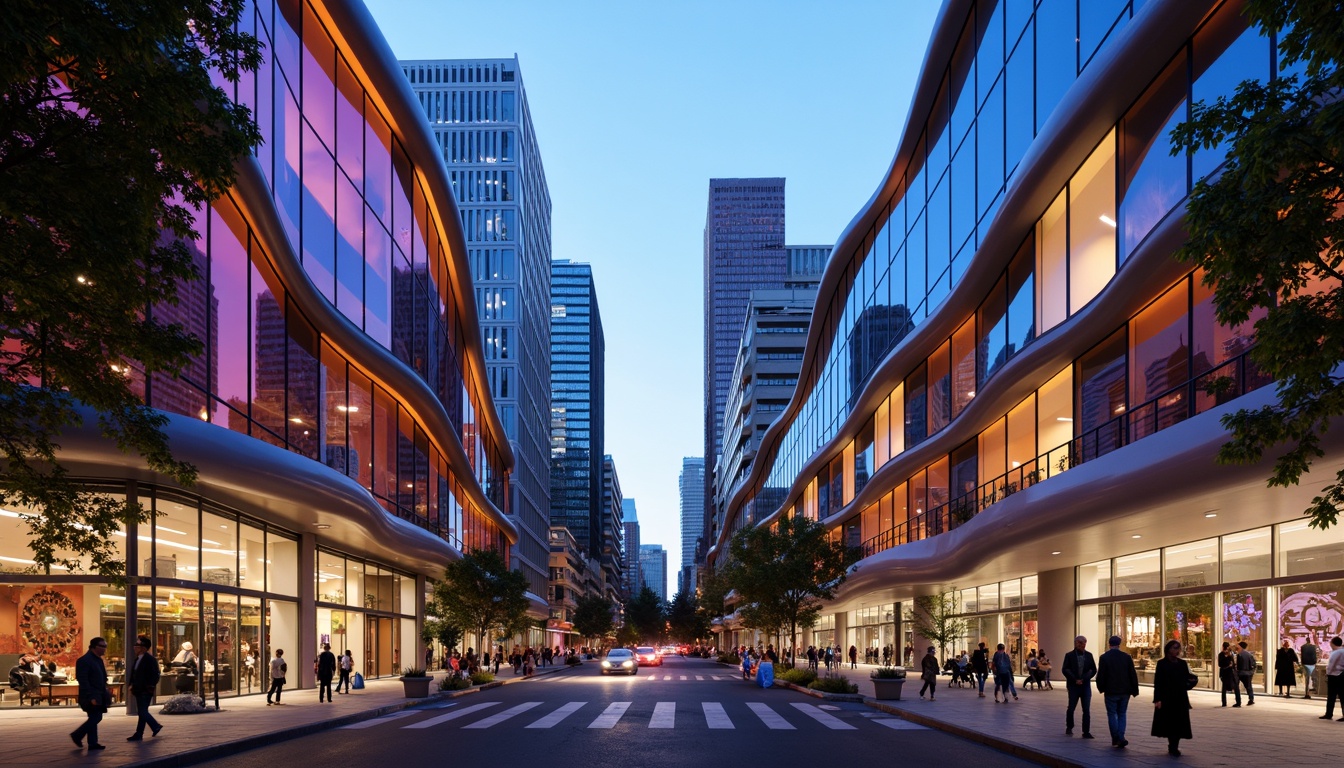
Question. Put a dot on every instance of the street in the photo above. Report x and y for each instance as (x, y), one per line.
(686, 712)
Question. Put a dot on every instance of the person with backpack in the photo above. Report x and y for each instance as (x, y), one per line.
(1002, 665)
(1079, 669)
(980, 663)
(344, 666)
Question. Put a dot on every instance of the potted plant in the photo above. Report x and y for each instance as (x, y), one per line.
(887, 682)
(415, 681)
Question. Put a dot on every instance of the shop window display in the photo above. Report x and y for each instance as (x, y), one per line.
(1244, 620)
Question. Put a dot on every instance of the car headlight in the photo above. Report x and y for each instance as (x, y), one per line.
(625, 663)
(606, 663)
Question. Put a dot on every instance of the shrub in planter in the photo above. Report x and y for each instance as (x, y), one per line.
(481, 678)
(802, 677)
(454, 683)
(888, 673)
(414, 672)
(837, 684)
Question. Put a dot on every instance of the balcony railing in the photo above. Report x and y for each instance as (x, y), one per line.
(1223, 384)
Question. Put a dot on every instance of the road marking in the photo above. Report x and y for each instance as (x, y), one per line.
(378, 720)
(444, 705)
(555, 717)
(830, 721)
(900, 725)
(715, 717)
(433, 721)
(611, 715)
(699, 677)
(496, 719)
(772, 719)
(683, 677)
(664, 715)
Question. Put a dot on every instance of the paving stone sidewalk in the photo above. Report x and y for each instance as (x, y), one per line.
(38, 736)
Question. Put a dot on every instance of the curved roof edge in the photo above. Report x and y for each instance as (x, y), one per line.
(248, 474)
(1126, 68)
(254, 199)
(357, 33)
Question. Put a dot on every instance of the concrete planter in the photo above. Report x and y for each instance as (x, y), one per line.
(416, 687)
(887, 688)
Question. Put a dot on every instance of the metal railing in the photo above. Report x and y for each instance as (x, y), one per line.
(1223, 384)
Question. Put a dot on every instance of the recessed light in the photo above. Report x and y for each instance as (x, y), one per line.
(1210, 514)
(1136, 536)
(1056, 552)
(321, 526)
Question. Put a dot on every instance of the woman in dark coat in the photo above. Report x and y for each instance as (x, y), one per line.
(1285, 668)
(1171, 700)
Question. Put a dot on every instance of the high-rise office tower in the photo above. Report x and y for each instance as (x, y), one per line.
(613, 563)
(630, 539)
(744, 250)
(478, 114)
(692, 487)
(577, 360)
(653, 567)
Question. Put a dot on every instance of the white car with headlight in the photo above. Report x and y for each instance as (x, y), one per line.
(620, 660)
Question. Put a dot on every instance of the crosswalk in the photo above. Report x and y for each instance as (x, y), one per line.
(656, 676)
(666, 715)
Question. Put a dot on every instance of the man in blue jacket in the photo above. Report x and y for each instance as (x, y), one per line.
(1079, 669)
(1118, 682)
(91, 674)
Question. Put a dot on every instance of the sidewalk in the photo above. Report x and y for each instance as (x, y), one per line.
(1276, 731)
(37, 736)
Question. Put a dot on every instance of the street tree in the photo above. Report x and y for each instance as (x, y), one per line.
(114, 138)
(479, 593)
(644, 613)
(1267, 231)
(936, 620)
(688, 624)
(436, 629)
(592, 617)
(786, 571)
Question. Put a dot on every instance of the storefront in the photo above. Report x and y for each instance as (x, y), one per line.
(1260, 587)
(1003, 612)
(367, 610)
(873, 632)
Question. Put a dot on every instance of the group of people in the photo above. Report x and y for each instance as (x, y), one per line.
(759, 664)
(832, 656)
(95, 697)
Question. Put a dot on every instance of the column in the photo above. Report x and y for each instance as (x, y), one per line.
(307, 632)
(1055, 613)
(420, 644)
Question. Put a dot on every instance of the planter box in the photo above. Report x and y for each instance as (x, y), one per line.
(887, 688)
(416, 687)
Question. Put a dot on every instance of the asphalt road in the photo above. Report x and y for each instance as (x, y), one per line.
(686, 712)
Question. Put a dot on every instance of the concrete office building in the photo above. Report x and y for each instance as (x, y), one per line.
(1006, 392)
(479, 116)
(338, 413)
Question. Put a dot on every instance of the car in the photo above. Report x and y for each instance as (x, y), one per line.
(648, 657)
(620, 660)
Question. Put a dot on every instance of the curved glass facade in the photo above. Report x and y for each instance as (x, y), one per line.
(354, 207)
(1010, 68)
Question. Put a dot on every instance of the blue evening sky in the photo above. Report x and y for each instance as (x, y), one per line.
(636, 106)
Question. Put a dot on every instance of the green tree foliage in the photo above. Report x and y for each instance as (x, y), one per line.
(1269, 236)
(480, 593)
(785, 572)
(935, 619)
(687, 622)
(446, 634)
(592, 617)
(113, 137)
(644, 613)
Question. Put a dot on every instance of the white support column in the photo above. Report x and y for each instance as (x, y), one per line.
(1056, 597)
(307, 630)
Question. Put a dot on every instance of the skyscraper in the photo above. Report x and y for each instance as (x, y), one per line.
(613, 562)
(577, 375)
(479, 116)
(630, 538)
(692, 487)
(743, 250)
(653, 567)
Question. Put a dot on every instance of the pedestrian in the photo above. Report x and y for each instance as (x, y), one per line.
(344, 665)
(499, 658)
(812, 658)
(429, 658)
(1334, 677)
(1172, 682)
(928, 668)
(1118, 682)
(1079, 669)
(94, 699)
(326, 669)
(980, 663)
(1309, 653)
(278, 670)
(1285, 669)
(1227, 674)
(1033, 672)
(853, 657)
(1043, 664)
(143, 677)
(1002, 664)
(1246, 672)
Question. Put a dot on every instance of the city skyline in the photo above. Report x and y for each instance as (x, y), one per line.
(605, 165)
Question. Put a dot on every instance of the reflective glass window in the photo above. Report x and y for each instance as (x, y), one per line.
(964, 366)
(1052, 265)
(1056, 54)
(940, 389)
(993, 324)
(1092, 225)
(1153, 181)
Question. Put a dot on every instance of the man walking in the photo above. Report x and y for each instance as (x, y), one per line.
(1246, 672)
(344, 665)
(1334, 677)
(1309, 654)
(1118, 682)
(91, 674)
(144, 679)
(1079, 669)
(326, 669)
(980, 663)
(278, 670)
